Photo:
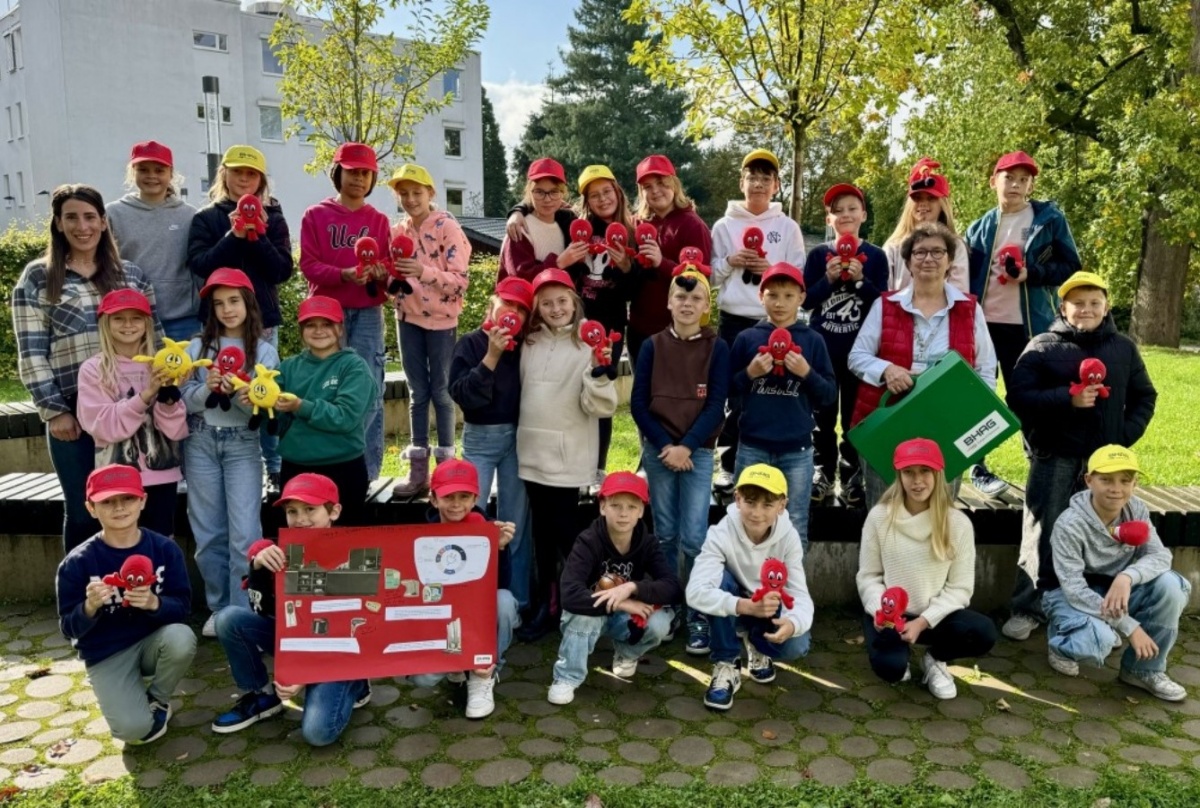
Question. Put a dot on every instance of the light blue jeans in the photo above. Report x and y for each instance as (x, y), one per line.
(507, 621)
(797, 468)
(182, 329)
(224, 506)
(364, 336)
(724, 644)
(493, 450)
(1156, 605)
(581, 631)
(679, 502)
(426, 356)
(270, 443)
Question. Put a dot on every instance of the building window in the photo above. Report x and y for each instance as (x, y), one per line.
(453, 142)
(207, 40)
(450, 83)
(454, 201)
(270, 62)
(11, 129)
(10, 51)
(205, 185)
(19, 114)
(21, 188)
(270, 123)
(226, 114)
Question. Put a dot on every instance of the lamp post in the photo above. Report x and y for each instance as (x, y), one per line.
(212, 122)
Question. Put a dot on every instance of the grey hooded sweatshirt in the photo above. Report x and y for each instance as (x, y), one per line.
(154, 238)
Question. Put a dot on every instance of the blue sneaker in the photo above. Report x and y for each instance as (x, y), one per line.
(250, 709)
(160, 715)
(697, 641)
(364, 699)
(726, 680)
(759, 665)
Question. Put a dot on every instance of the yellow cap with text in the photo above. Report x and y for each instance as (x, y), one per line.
(410, 172)
(245, 157)
(766, 477)
(1111, 458)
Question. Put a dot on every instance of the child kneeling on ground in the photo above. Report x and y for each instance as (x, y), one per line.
(616, 582)
(1114, 579)
(749, 580)
(127, 631)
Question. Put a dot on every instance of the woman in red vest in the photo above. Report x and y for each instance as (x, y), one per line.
(909, 330)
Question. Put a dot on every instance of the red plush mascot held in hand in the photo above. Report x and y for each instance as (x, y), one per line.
(1012, 261)
(892, 604)
(231, 361)
(616, 235)
(1135, 534)
(1091, 371)
(582, 233)
(845, 247)
(692, 258)
(774, 577)
(511, 322)
(592, 333)
(366, 250)
(401, 247)
(249, 217)
(779, 345)
(644, 233)
(752, 240)
(138, 570)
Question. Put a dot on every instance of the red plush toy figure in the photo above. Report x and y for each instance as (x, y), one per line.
(582, 233)
(592, 333)
(401, 247)
(249, 217)
(892, 604)
(644, 233)
(1135, 534)
(692, 258)
(1091, 371)
(1010, 258)
(616, 235)
(230, 362)
(366, 250)
(511, 322)
(752, 240)
(845, 247)
(138, 570)
(774, 577)
(637, 628)
(779, 345)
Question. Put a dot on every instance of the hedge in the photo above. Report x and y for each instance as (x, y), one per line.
(18, 246)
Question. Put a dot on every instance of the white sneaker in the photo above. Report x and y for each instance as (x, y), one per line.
(593, 490)
(1062, 664)
(907, 677)
(480, 701)
(1019, 627)
(561, 693)
(938, 678)
(625, 667)
(210, 626)
(1156, 683)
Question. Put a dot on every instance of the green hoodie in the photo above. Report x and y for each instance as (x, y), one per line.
(335, 394)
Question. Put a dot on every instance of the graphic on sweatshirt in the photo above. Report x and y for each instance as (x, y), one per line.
(842, 312)
(147, 448)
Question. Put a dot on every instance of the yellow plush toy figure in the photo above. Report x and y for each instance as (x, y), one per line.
(264, 392)
(174, 359)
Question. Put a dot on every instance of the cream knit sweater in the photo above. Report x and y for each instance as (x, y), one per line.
(899, 554)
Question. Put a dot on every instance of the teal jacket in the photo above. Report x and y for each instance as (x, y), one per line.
(336, 394)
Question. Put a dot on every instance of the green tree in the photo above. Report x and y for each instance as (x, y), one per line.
(495, 164)
(350, 83)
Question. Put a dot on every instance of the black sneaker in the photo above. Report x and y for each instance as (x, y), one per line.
(987, 483)
(161, 716)
(853, 495)
(364, 699)
(249, 709)
(822, 489)
(273, 488)
(723, 482)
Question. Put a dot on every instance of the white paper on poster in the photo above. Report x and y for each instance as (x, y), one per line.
(341, 605)
(322, 645)
(449, 560)
(417, 613)
(420, 645)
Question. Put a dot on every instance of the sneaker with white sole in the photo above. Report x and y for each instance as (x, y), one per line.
(1019, 627)
(822, 489)
(726, 681)
(210, 627)
(1064, 665)
(481, 702)
(160, 718)
(938, 679)
(561, 693)
(987, 483)
(907, 677)
(625, 667)
(249, 709)
(1156, 683)
(698, 636)
(364, 699)
(723, 482)
(759, 665)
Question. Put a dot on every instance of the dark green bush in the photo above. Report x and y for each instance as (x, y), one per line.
(18, 246)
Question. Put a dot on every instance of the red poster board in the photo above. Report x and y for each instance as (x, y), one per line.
(391, 600)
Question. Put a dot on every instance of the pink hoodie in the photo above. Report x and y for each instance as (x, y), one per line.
(327, 235)
(444, 252)
(125, 429)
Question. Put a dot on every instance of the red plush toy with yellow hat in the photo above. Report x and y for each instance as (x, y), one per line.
(249, 217)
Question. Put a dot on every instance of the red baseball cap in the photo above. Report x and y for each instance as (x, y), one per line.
(311, 489)
(782, 270)
(226, 277)
(843, 189)
(151, 151)
(356, 155)
(453, 476)
(655, 165)
(114, 480)
(549, 276)
(918, 452)
(124, 300)
(321, 306)
(516, 290)
(546, 168)
(926, 177)
(625, 482)
(1017, 159)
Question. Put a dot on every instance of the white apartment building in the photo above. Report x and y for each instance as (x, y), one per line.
(83, 80)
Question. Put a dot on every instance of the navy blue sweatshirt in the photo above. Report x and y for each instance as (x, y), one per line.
(486, 396)
(114, 627)
(777, 411)
(503, 568)
(839, 308)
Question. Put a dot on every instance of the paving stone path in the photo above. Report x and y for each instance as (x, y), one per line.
(826, 719)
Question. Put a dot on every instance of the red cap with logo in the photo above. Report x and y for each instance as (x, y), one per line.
(655, 165)
(124, 300)
(926, 177)
(516, 290)
(1017, 159)
(114, 480)
(843, 189)
(918, 452)
(226, 277)
(782, 270)
(321, 306)
(549, 276)
(454, 476)
(546, 168)
(625, 482)
(311, 489)
(356, 155)
(151, 151)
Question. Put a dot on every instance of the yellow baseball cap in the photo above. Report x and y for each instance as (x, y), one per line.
(1082, 279)
(411, 172)
(766, 477)
(245, 157)
(1110, 458)
(594, 173)
(761, 154)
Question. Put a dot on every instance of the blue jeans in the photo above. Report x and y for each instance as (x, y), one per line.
(224, 506)
(581, 631)
(679, 502)
(364, 336)
(723, 643)
(1156, 605)
(182, 328)
(797, 468)
(426, 356)
(493, 450)
(507, 621)
(269, 442)
(1052, 481)
(73, 461)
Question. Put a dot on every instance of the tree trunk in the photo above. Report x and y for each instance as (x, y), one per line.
(799, 137)
(1162, 281)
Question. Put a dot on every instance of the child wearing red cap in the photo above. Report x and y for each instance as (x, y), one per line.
(485, 381)
(127, 627)
(327, 235)
(616, 583)
(224, 462)
(120, 407)
(455, 498)
(915, 539)
(928, 200)
(543, 240)
(246, 633)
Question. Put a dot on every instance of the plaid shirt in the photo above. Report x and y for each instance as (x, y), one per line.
(53, 340)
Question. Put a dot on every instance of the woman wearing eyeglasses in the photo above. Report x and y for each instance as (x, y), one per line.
(928, 201)
(545, 242)
(907, 331)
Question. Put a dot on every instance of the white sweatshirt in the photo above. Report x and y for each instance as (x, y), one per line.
(782, 241)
